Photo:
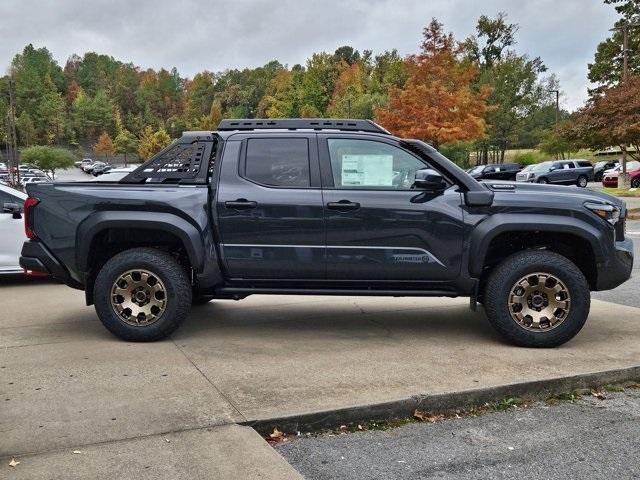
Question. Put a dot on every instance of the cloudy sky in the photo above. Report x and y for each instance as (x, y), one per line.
(195, 35)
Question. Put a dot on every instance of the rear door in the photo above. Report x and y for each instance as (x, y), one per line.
(378, 227)
(269, 206)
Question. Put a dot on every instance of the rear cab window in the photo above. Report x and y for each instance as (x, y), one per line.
(278, 162)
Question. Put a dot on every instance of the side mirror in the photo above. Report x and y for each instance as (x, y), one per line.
(12, 208)
(428, 179)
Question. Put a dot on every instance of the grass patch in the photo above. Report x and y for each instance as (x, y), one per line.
(621, 192)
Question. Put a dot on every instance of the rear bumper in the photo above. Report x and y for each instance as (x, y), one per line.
(37, 258)
(617, 269)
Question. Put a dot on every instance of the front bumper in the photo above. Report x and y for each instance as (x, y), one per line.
(618, 266)
(36, 257)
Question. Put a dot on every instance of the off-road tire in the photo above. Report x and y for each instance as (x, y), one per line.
(582, 181)
(502, 280)
(168, 270)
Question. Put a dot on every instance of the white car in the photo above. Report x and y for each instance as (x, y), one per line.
(114, 175)
(11, 229)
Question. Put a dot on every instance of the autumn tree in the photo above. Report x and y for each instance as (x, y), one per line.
(437, 103)
(47, 158)
(211, 121)
(104, 145)
(611, 118)
(152, 142)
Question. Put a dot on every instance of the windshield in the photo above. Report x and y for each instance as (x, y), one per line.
(477, 169)
(540, 167)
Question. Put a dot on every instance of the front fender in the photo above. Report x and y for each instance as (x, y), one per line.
(494, 225)
(188, 234)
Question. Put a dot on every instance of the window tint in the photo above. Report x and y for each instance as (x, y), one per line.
(371, 164)
(584, 164)
(278, 162)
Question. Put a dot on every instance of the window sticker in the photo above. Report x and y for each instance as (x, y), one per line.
(367, 170)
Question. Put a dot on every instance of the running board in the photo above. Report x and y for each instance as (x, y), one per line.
(335, 291)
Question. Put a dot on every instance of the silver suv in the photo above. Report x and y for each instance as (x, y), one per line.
(563, 172)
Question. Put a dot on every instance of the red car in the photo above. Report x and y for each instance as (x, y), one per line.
(610, 177)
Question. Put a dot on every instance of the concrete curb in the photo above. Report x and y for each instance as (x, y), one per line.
(440, 402)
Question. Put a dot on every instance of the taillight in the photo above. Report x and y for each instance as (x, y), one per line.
(29, 203)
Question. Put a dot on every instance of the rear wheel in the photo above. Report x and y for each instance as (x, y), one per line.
(582, 181)
(142, 294)
(635, 182)
(543, 180)
(537, 299)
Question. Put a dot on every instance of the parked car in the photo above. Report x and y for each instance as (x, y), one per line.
(84, 162)
(11, 229)
(504, 171)
(99, 168)
(600, 167)
(114, 175)
(563, 172)
(610, 177)
(324, 207)
(38, 179)
(87, 167)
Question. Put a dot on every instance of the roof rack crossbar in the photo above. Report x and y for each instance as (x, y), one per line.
(301, 123)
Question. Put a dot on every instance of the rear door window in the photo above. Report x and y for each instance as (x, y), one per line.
(278, 162)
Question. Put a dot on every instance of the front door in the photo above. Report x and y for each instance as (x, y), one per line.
(378, 227)
(270, 210)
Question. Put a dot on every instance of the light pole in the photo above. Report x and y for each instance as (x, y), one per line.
(623, 179)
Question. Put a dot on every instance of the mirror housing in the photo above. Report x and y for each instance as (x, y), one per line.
(478, 198)
(430, 180)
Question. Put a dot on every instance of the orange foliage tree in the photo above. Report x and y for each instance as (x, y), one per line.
(104, 145)
(438, 103)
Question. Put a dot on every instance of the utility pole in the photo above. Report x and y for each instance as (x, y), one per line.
(557, 92)
(349, 107)
(623, 178)
(12, 137)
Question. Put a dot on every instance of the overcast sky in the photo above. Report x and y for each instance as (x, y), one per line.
(194, 35)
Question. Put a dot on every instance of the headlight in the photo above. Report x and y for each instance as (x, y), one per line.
(608, 212)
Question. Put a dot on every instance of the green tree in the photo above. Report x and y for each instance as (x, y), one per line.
(606, 69)
(125, 143)
(26, 129)
(48, 159)
(93, 116)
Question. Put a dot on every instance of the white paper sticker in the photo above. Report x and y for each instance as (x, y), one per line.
(367, 170)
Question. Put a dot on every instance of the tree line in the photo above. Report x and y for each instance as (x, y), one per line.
(475, 94)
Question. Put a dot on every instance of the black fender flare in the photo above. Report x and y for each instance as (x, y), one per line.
(188, 234)
(494, 225)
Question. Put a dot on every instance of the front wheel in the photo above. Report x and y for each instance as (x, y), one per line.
(582, 181)
(537, 298)
(635, 183)
(142, 294)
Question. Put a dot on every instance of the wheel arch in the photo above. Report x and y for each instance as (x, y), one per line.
(502, 234)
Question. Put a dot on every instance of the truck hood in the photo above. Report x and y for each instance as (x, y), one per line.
(546, 195)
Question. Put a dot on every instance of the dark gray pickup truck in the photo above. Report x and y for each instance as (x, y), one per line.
(330, 207)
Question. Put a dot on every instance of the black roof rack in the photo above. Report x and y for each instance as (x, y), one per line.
(301, 123)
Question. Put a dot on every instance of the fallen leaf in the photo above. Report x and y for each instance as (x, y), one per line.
(343, 427)
(167, 440)
(276, 434)
(599, 395)
(14, 463)
(425, 417)
(77, 452)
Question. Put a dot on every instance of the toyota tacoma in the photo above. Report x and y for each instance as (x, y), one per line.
(324, 207)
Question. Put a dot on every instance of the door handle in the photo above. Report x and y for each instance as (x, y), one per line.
(241, 204)
(343, 205)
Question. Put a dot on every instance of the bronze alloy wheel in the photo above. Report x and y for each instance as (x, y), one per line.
(539, 302)
(138, 297)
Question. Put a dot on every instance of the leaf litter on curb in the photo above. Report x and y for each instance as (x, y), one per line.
(14, 463)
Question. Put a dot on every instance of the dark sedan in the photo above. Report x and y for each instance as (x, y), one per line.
(502, 171)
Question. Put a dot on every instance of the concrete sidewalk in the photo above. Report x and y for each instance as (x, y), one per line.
(67, 384)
